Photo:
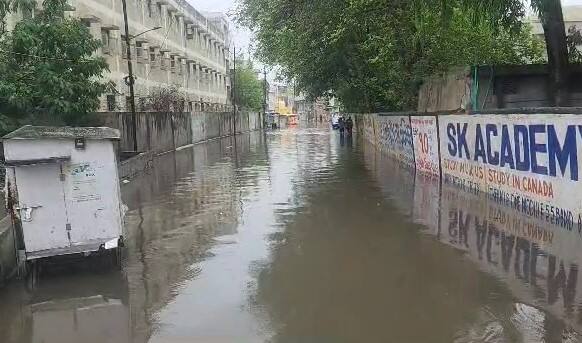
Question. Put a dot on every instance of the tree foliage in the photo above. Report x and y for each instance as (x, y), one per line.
(374, 54)
(48, 68)
(166, 100)
(248, 89)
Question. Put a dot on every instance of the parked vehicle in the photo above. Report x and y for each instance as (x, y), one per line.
(63, 190)
(292, 119)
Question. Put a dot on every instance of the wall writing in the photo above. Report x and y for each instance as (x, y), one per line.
(528, 162)
(426, 144)
(394, 135)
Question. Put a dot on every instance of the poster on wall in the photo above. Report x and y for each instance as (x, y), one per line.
(395, 138)
(528, 162)
(426, 150)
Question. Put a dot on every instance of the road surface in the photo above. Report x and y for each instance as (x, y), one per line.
(300, 236)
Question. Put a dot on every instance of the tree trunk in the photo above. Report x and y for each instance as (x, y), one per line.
(555, 33)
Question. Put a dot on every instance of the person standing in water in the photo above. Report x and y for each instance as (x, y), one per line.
(342, 125)
(349, 125)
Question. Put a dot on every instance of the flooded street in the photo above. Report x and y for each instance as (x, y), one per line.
(298, 236)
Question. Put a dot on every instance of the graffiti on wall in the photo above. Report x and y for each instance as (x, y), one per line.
(395, 137)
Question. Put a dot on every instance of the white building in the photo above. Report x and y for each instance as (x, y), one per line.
(572, 17)
(189, 50)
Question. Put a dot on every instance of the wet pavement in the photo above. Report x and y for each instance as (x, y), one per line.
(298, 236)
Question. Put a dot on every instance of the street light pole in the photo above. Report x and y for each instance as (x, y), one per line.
(264, 97)
(130, 80)
(234, 90)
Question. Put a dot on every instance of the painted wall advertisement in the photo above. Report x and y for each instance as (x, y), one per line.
(426, 142)
(528, 162)
(395, 137)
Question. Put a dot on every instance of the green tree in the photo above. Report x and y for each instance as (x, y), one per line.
(12, 6)
(508, 14)
(248, 89)
(49, 72)
(374, 54)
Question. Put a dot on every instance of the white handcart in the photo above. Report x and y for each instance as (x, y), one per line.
(62, 189)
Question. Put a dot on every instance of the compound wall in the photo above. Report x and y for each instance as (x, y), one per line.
(529, 162)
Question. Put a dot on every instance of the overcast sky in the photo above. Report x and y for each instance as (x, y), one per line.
(241, 36)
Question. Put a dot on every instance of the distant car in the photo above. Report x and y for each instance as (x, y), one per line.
(335, 122)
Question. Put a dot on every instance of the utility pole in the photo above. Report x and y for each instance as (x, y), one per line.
(234, 91)
(264, 97)
(130, 79)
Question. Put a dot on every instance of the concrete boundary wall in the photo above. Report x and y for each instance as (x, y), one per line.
(530, 162)
(161, 132)
(210, 125)
(156, 131)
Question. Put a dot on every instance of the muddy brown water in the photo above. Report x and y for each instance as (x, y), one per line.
(298, 236)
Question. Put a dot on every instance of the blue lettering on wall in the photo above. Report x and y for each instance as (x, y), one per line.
(506, 150)
(563, 153)
(520, 147)
(451, 133)
(479, 145)
(521, 144)
(535, 148)
(492, 158)
(462, 140)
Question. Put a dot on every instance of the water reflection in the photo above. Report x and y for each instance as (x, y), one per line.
(174, 220)
(537, 262)
(175, 214)
(295, 236)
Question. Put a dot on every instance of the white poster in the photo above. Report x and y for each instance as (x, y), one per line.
(530, 163)
(426, 144)
(84, 183)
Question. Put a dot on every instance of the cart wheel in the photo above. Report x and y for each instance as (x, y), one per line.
(117, 257)
(32, 275)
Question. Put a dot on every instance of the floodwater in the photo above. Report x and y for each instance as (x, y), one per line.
(298, 236)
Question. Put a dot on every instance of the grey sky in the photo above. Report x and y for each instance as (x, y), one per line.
(241, 36)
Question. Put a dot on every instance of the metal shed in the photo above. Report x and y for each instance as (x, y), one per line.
(62, 189)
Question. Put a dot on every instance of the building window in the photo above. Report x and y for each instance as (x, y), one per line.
(150, 8)
(152, 55)
(163, 62)
(139, 49)
(190, 106)
(111, 105)
(105, 40)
